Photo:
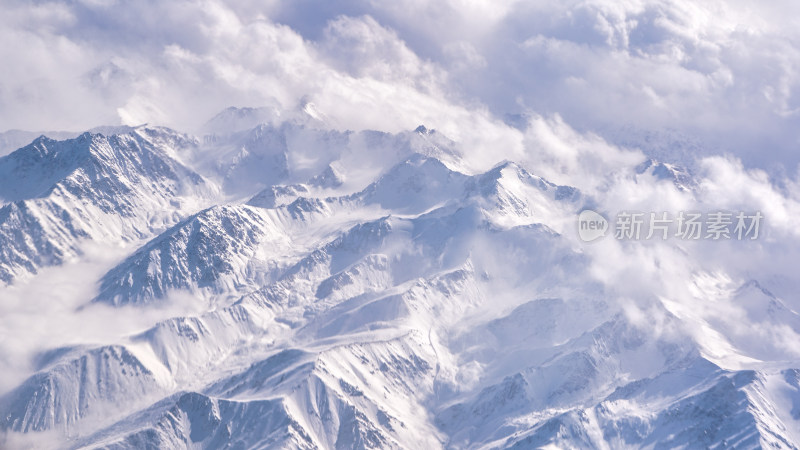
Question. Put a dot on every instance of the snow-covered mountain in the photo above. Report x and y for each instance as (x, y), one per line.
(57, 194)
(360, 290)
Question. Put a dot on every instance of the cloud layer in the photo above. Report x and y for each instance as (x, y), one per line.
(724, 73)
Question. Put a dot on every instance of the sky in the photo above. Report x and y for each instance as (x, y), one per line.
(711, 76)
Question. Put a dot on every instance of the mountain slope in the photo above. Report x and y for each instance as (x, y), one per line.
(236, 238)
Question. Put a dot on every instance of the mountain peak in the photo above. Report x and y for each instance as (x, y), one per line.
(679, 176)
(331, 177)
(423, 130)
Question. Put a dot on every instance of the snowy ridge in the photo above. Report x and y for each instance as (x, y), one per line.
(178, 258)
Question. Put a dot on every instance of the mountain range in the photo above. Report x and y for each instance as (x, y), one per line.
(358, 290)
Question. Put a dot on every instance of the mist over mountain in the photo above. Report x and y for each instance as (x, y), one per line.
(325, 303)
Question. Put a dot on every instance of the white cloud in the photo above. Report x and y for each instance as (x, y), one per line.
(724, 72)
(51, 311)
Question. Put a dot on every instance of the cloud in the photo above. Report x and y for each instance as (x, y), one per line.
(50, 311)
(361, 47)
(721, 72)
